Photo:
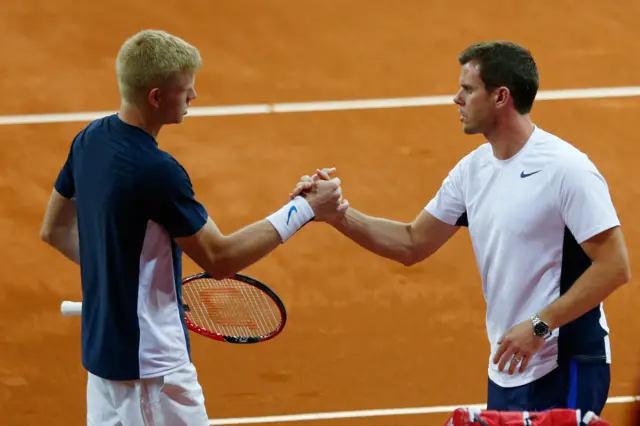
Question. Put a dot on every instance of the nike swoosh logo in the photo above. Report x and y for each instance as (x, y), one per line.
(291, 210)
(524, 175)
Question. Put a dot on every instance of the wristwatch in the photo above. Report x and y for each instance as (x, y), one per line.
(540, 328)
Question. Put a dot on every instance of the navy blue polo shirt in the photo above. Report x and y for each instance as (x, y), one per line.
(132, 200)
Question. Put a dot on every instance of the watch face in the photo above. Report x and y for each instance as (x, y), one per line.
(540, 329)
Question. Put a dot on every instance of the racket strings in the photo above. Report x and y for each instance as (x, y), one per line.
(197, 312)
(231, 308)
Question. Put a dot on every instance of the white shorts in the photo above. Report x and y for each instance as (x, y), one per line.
(172, 400)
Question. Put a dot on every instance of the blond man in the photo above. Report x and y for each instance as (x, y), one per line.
(124, 210)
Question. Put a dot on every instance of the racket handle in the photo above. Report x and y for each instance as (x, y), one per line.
(70, 309)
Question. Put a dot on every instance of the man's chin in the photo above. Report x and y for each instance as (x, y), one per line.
(470, 130)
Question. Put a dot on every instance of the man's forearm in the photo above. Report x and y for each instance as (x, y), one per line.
(593, 287)
(246, 246)
(66, 242)
(384, 237)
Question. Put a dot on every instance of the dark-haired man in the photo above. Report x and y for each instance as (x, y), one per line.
(545, 234)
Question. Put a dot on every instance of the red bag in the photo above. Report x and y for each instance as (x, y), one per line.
(555, 417)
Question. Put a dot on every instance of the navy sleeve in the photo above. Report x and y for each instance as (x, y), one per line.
(174, 205)
(64, 183)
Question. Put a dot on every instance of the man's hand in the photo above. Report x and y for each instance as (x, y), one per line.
(324, 195)
(317, 189)
(307, 182)
(517, 346)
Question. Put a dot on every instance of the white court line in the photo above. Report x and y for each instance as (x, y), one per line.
(373, 413)
(593, 93)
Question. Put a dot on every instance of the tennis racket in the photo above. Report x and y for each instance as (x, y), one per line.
(236, 309)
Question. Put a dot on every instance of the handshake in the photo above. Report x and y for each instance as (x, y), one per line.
(324, 195)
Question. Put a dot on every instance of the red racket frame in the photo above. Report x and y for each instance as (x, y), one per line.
(236, 339)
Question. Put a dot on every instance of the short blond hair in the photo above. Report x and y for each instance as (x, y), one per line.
(151, 57)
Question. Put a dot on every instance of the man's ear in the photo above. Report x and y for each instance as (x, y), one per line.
(154, 97)
(502, 95)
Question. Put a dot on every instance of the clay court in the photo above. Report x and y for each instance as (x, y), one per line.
(364, 333)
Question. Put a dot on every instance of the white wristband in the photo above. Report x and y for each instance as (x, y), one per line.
(291, 217)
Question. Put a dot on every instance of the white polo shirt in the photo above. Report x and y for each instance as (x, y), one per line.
(526, 217)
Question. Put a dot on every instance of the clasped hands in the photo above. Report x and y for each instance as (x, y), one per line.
(324, 195)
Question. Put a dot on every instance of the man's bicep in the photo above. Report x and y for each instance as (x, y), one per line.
(609, 249)
(60, 213)
(606, 244)
(204, 246)
(428, 234)
(442, 216)
(200, 246)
